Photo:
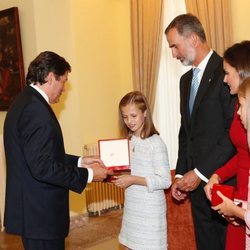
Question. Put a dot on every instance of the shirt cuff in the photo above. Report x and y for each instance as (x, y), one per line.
(79, 165)
(90, 170)
(91, 175)
(200, 175)
(178, 176)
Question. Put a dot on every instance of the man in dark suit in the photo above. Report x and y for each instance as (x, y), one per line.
(204, 143)
(39, 172)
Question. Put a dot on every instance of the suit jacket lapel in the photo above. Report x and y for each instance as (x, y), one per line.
(187, 89)
(206, 80)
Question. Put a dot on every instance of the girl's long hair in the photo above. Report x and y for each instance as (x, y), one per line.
(138, 99)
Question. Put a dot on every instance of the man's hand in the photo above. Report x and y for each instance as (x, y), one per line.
(189, 182)
(88, 161)
(100, 172)
(176, 192)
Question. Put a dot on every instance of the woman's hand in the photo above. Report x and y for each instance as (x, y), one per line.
(214, 179)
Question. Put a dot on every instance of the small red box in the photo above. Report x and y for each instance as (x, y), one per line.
(226, 190)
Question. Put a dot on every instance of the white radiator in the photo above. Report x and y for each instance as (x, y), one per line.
(100, 196)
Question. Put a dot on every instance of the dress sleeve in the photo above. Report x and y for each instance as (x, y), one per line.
(161, 179)
(229, 169)
(247, 213)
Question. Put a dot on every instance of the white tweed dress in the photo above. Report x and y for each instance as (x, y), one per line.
(144, 225)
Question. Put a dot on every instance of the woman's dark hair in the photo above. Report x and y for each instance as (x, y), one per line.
(45, 63)
(238, 56)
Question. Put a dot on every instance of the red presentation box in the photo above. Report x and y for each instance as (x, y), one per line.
(115, 154)
(226, 190)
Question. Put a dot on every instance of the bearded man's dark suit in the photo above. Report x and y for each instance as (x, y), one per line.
(204, 144)
(39, 172)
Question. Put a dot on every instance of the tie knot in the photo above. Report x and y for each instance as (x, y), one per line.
(195, 71)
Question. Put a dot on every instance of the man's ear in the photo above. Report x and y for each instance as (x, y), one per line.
(194, 38)
(49, 78)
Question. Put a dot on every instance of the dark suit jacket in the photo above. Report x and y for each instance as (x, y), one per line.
(204, 141)
(39, 172)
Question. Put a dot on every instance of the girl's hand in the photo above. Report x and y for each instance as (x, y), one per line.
(230, 211)
(227, 207)
(122, 181)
